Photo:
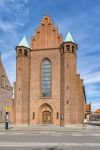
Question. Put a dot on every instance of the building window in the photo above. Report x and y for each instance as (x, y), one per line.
(33, 115)
(72, 49)
(68, 48)
(7, 87)
(46, 78)
(57, 115)
(20, 52)
(3, 81)
(67, 87)
(67, 102)
(25, 52)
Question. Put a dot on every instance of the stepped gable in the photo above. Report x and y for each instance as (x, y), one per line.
(46, 36)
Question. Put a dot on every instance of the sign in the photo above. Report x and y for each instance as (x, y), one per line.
(6, 108)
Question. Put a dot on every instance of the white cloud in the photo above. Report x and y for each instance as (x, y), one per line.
(92, 78)
(6, 26)
(7, 55)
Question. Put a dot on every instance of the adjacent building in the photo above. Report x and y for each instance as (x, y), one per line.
(5, 91)
(96, 115)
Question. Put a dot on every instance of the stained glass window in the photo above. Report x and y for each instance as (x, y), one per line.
(46, 78)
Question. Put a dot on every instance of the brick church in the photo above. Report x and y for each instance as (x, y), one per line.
(48, 89)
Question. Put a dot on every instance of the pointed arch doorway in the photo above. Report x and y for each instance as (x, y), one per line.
(46, 113)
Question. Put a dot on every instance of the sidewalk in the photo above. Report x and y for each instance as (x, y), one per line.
(13, 127)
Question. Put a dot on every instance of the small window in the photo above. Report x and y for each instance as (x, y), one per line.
(20, 52)
(7, 87)
(67, 48)
(67, 102)
(73, 49)
(57, 115)
(34, 39)
(25, 52)
(33, 115)
(3, 81)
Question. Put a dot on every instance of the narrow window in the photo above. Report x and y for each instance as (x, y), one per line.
(67, 48)
(3, 81)
(72, 49)
(20, 52)
(46, 78)
(67, 102)
(33, 115)
(57, 115)
(25, 52)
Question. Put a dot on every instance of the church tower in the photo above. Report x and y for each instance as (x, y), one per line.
(69, 91)
(22, 82)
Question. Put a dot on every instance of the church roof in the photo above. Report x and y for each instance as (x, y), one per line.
(24, 42)
(69, 38)
(98, 110)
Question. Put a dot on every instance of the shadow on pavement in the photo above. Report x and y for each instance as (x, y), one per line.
(94, 124)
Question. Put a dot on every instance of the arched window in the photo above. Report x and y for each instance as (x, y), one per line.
(46, 78)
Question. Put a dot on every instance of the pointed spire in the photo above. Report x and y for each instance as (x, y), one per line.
(24, 42)
(69, 38)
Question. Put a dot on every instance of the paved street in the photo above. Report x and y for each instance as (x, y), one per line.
(50, 140)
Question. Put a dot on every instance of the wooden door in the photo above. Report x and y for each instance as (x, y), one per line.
(46, 117)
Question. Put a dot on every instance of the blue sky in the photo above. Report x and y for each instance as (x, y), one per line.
(80, 17)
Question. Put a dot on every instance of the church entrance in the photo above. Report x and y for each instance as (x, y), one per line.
(46, 117)
(45, 114)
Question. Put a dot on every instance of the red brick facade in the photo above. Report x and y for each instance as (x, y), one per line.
(66, 103)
